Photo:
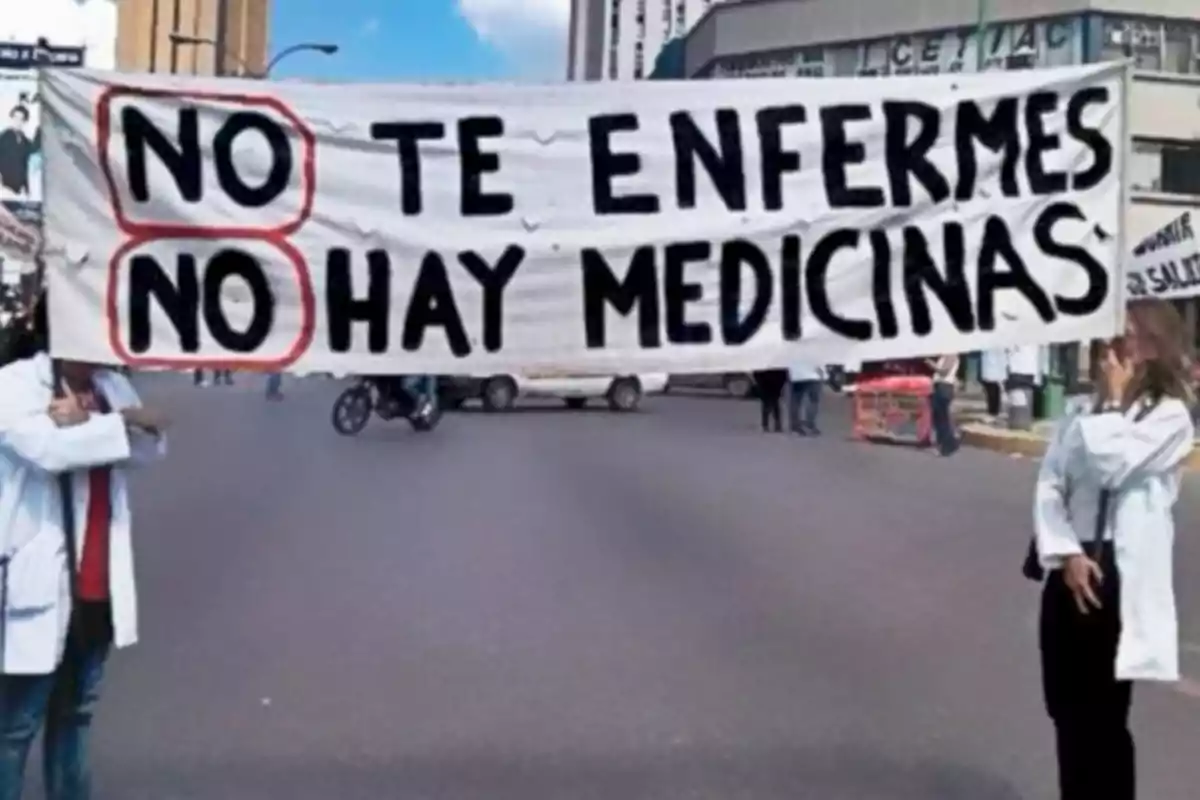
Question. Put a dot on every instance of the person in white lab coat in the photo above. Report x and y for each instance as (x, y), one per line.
(1108, 611)
(67, 589)
(806, 381)
(993, 371)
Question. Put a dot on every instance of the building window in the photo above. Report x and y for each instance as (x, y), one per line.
(1137, 39)
(1165, 167)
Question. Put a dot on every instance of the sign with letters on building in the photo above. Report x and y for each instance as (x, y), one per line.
(596, 228)
(1017, 45)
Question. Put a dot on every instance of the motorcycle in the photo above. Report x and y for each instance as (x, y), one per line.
(353, 407)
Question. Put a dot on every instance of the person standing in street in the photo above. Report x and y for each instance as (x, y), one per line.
(945, 377)
(993, 372)
(275, 386)
(1104, 539)
(68, 432)
(807, 381)
(771, 384)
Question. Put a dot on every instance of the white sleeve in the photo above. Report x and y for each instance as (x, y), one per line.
(144, 448)
(101, 441)
(1053, 532)
(1118, 450)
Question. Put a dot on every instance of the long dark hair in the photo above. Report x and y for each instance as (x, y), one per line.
(29, 332)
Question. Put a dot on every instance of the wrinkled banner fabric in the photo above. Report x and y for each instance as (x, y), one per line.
(583, 228)
(1166, 264)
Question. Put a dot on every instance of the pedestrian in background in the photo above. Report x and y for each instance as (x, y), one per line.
(275, 386)
(941, 403)
(807, 381)
(771, 384)
(1104, 536)
(67, 433)
(993, 372)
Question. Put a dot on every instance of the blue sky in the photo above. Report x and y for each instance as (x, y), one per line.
(453, 40)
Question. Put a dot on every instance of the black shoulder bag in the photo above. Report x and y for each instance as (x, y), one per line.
(1032, 568)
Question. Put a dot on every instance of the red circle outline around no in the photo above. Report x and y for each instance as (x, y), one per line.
(298, 348)
(143, 230)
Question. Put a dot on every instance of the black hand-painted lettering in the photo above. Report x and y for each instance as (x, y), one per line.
(183, 162)
(278, 176)
(790, 294)
(998, 245)
(1097, 275)
(737, 328)
(343, 308)
(906, 158)
(774, 160)
(1136, 284)
(433, 306)
(881, 284)
(839, 153)
(921, 275)
(1080, 131)
(475, 162)
(901, 51)
(493, 280)
(408, 137)
(998, 132)
(724, 163)
(679, 292)
(607, 165)
(178, 297)
(232, 263)
(1158, 282)
(639, 290)
(1042, 143)
(816, 274)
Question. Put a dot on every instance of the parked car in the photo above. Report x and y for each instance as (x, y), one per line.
(737, 384)
(500, 392)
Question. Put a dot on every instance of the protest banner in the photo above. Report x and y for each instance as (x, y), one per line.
(1166, 264)
(594, 228)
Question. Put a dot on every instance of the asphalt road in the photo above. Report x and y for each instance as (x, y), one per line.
(554, 605)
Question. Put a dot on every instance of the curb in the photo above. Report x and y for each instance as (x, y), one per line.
(1002, 441)
(1029, 445)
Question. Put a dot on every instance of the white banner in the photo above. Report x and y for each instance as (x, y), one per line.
(1166, 263)
(589, 228)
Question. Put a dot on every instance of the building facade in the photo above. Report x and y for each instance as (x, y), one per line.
(874, 38)
(68, 33)
(621, 39)
(229, 36)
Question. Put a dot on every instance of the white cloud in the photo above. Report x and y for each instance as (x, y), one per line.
(532, 34)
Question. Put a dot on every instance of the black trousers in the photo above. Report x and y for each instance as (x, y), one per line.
(771, 384)
(992, 394)
(1089, 706)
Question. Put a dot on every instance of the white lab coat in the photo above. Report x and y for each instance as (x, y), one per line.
(993, 366)
(1140, 462)
(805, 371)
(33, 452)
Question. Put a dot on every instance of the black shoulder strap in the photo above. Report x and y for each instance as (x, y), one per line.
(66, 490)
(1105, 500)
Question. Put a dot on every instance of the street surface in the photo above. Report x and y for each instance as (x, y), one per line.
(556, 605)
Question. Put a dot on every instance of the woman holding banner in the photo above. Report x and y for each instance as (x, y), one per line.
(1104, 537)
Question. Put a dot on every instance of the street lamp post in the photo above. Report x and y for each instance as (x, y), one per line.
(315, 47)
